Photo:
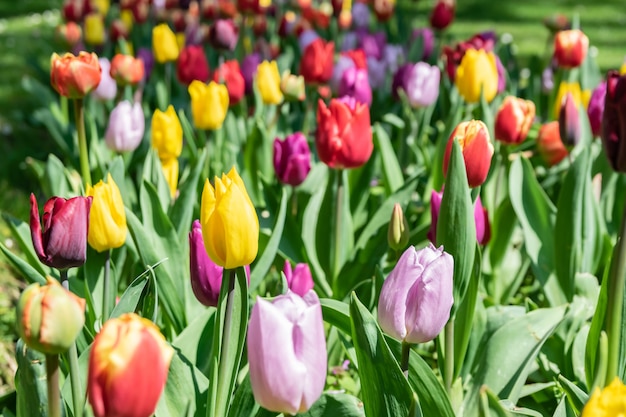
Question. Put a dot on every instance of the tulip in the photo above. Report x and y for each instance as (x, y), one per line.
(398, 231)
(268, 82)
(316, 64)
(147, 57)
(248, 69)
(119, 30)
(170, 172)
(595, 109)
(427, 38)
(477, 72)
(344, 134)
(209, 104)
(70, 33)
(252, 6)
(292, 86)
(94, 29)
(569, 122)
(416, 298)
(373, 44)
(394, 56)
(357, 56)
(107, 88)
(383, 9)
(126, 69)
(164, 44)
(74, 76)
(230, 225)
(360, 15)
(355, 83)
(230, 74)
(513, 121)
(547, 80)
(126, 127)
(108, 218)
(549, 144)
(224, 34)
(287, 352)
(342, 64)
(401, 79)
(422, 87)
(306, 38)
(501, 75)
(128, 367)
(481, 219)
(292, 159)
(376, 72)
(102, 6)
(608, 402)
(299, 279)
(614, 121)
(192, 65)
(442, 14)
(63, 241)
(565, 88)
(49, 317)
(167, 133)
(477, 150)
(570, 48)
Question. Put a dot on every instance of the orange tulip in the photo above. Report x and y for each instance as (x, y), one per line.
(75, 76)
(549, 144)
(126, 69)
(477, 150)
(514, 119)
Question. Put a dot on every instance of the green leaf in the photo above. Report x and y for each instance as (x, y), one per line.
(188, 133)
(244, 404)
(181, 213)
(28, 272)
(129, 301)
(577, 398)
(504, 223)
(153, 174)
(392, 172)
(195, 341)
(30, 381)
(21, 234)
(384, 393)
(490, 405)
(592, 356)
(335, 404)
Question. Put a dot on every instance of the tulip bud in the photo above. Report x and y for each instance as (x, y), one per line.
(481, 219)
(192, 65)
(442, 14)
(229, 73)
(49, 317)
(614, 121)
(209, 104)
(422, 84)
(70, 33)
(167, 134)
(549, 144)
(416, 297)
(292, 159)
(473, 138)
(514, 119)
(107, 88)
(74, 76)
(299, 279)
(63, 241)
(164, 44)
(344, 134)
(230, 225)
(268, 82)
(595, 109)
(95, 33)
(477, 72)
(383, 9)
(355, 83)
(248, 69)
(565, 88)
(128, 367)
(316, 64)
(292, 86)
(108, 218)
(224, 34)
(569, 122)
(398, 231)
(126, 69)
(570, 48)
(287, 352)
(126, 127)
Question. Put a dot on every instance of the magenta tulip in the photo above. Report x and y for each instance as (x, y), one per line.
(355, 83)
(481, 219)
(595, 110)
(299, 279)
(292, 159)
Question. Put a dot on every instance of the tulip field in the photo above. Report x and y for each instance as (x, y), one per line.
(320, 208)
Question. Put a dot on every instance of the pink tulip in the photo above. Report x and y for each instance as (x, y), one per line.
(481, 219)
(299, 279)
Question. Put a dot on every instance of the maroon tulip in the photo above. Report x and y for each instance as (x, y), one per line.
(569, 122)
(192, 65)
(481, 219)
(299, 279)
(595, 109)
(292, 159)
(442, 14)
(614, 121)
(63, 242)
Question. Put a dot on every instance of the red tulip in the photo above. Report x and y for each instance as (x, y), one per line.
(192, 65)
(316, 65)
(549, 144)
(514, 119)
(570, 48)
(229, 73)
(442, 14)
(477, 150)
(75, 76)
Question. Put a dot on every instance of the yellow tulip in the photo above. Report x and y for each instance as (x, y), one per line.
(610, 402)
(230, 226)
(107, 219)
(622, 69)
(127, 17)
(170, 171)
(167, 134)
(180, 40)
(477, 70)
(164, 44)
(209, 104)
(102, 6)
(94, 33)
(579, 96)
(268, 82)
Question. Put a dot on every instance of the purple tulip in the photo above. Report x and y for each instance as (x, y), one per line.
(595, 108)
(401, 79)
(248, 68)
(394, 56)
(107, 89)
(224, 34)
(306, 38)
(360, 15)
(481, 219)
(145, 54)
(416, 297)
(372, 44)
(569, 121)
(422, 86)
(299, 280)
(63, 241)
(292, 159)
(427, 37)
(377, 72)
(350, 41)
(342, 64)
(355, 83)
(287, 352)
(126, 127)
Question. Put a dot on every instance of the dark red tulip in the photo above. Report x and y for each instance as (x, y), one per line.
(192, 65)
(316, 65)
(614, 121)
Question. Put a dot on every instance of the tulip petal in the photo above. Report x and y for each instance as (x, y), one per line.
(35, 228)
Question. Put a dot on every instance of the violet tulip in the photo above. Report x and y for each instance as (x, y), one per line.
(292, 159)
(595, 109)
(126, 127)
(416, 297)
(299, 279)
(146, 55)
(481, 219)
(287, 352)
(360, 15)
(376, 72)
(394, 56)
(355, 83)
(343, 63)
(62, 243)
(422, 87)
(401, 79)
(107, 89)
(248, 69)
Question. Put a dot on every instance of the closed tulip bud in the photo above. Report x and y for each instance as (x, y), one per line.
(477, 72)
(442, 14)
(316, 65)
(565, 88)
(167, 133)
(514, 119)
(477, 150)
(481, 219)
(170, 172)
(292, 159)
(108, 218)
(287, 352)
(248, 69)
(49, 317)
(229, 73)
(74, 76)
(63, 241)
(570, 48)
(422, 84)
(299, 279)
(192, 65)
(126, 127)
(268, 82)
(607, 402)
(569, 122)
(126, 69)
(344, 134)
(95, 33)
(209, 104)
(416, 297)
(355, 83)
(164, 44)
(549, 144)
(128, 366)
(292, 86)
(614, 121)
(107, 88)
(383, 9)
(595, 110)
(146, 55)
(398, 231)
(69, 33)
(230, 225)
(224, 34)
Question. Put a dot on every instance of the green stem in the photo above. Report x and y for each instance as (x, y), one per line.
(337, 243)
(54, 393)
(448, 364)
(404, 360)
(294, 202)
(223, 401)
(615, 302)
(79, 113)
(106, 296)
